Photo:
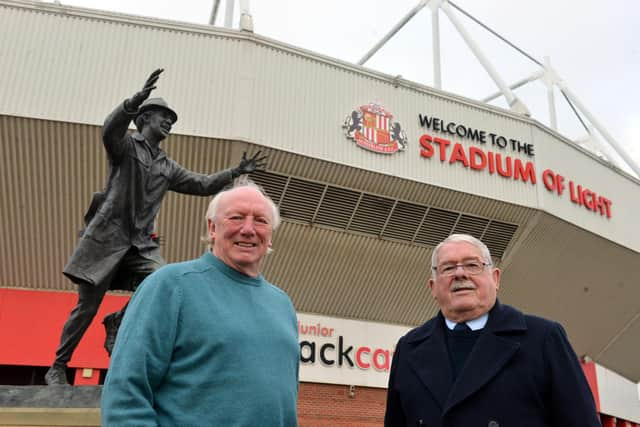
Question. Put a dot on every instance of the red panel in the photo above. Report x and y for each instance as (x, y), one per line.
(589, 369)
(92, 379)
(608, 421)
(31, 322)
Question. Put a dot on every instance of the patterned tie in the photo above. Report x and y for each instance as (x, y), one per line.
(461, 327)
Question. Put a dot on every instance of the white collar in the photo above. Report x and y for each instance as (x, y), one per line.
(474, 324)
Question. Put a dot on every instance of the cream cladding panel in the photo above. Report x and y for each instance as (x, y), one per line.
(76, 65)
(230, 85)
(587, 192)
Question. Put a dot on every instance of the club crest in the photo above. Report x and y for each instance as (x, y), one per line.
(372, 128)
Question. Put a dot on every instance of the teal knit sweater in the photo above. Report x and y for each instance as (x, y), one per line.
(204, 345)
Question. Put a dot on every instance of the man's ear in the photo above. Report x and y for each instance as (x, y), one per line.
(211, 229)
(431, 283)
(496, 277)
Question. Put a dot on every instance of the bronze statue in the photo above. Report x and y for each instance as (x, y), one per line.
(117, 249)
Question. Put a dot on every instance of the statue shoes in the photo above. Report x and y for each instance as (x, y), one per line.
(56, 375)
(111, 324)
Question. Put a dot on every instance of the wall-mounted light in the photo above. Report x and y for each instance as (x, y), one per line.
(352, 391)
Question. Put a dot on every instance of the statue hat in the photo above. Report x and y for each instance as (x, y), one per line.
(156, 104)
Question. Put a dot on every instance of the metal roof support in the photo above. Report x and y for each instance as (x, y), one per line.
(214, 12)
(435, 41)
(607, 136)
(547, 75)
(548, 78)
(533, 77)
(393, 31)
(593, 143)
(514, 103)
(246, 21)
(228, 15)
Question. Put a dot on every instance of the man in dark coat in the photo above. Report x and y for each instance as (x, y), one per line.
(117, 249)
(482, 363)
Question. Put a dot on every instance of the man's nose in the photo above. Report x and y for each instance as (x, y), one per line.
(460, 271)
(248, 226)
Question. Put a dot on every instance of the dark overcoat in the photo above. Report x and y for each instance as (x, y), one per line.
(522, 372)
(122, 216)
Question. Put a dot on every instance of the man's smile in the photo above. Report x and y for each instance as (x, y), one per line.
(246, 244)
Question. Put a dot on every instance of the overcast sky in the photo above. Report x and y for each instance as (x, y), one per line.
(594, 46)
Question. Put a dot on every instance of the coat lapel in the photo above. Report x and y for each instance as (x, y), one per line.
(490, 354)
(429, 359)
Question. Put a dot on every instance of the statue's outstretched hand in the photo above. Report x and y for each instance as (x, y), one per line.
(139, 97)
(251, 164)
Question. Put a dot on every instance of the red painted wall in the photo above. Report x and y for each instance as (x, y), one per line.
(31, 322)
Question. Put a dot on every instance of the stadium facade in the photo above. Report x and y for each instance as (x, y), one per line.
(370, 172)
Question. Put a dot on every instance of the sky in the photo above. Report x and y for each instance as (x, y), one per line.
(593, 46)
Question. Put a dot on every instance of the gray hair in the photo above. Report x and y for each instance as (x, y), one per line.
(241, 182)
(462, 238)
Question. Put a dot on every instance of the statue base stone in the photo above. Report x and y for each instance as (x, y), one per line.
(50, 405)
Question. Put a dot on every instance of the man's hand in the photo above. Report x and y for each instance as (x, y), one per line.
(138, 98)
(252, 164)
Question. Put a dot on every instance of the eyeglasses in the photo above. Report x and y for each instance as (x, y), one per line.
(472, 268)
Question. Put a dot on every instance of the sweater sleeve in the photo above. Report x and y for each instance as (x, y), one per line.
(142, 353)
(571, 401)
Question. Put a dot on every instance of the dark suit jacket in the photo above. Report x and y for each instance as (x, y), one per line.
(522, 372)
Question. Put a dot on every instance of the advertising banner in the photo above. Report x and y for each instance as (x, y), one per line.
(349, 352)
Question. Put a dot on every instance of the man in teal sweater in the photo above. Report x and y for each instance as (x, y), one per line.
(210, 342)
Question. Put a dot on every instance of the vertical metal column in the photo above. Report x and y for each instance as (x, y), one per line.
(435, 41)
(246, 20)
(548, 81)
(514, 102)
(228, 16)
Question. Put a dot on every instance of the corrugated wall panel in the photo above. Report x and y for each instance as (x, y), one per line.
(74, 66)
(50, 170)
(60, 165)
(64, 63)
(554, 276)
(239, 86)
(395, 187)
(351, 275)
(225, 85)
(181, 221)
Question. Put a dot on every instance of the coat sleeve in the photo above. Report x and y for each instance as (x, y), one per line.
(394, 414)
(114, 131)
(571, 401)
(182, 180)
(142, 353)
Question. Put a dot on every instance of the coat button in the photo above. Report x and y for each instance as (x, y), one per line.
(493, 423)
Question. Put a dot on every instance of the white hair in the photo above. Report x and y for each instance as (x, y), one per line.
(462, 238)
(241, 182)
